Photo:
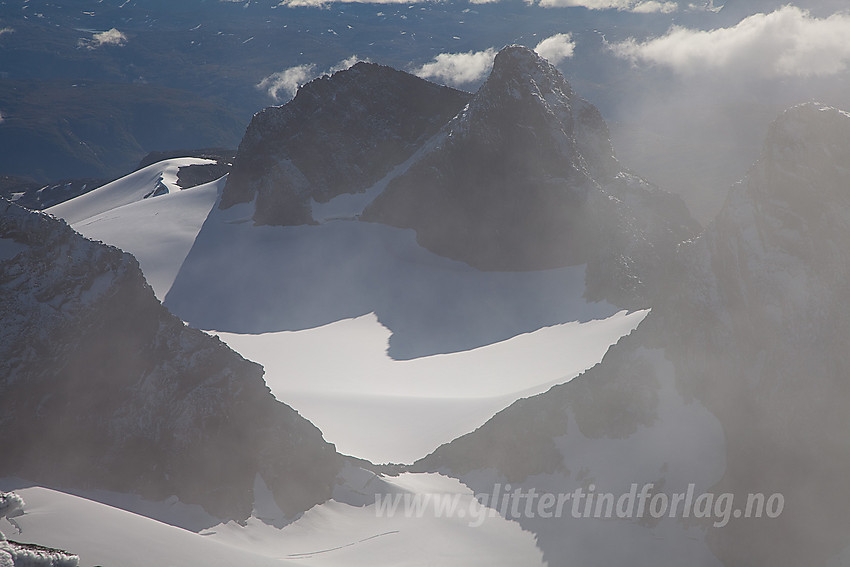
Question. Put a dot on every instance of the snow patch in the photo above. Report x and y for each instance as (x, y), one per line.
(134, 187)
(341, 378)
(159, 231)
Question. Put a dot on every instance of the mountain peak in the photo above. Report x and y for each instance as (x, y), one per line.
(520, 74)
(806, 123)
(518, 61)
(340, 134)
(804, 155)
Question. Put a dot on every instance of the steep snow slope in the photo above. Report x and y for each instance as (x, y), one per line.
(151, 181)
(340, 377)
(159, 232)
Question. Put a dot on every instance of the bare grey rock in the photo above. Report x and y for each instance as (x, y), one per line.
(102, 387)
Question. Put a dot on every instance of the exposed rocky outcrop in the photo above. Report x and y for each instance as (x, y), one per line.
(100, 386)
(525, 178)
(340, 134)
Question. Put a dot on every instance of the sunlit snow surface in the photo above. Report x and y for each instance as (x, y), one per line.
(154, 180)
(158, 230)
(328, 535)
(389, 349)
(242, 278)
(330, 309)
(340, 377)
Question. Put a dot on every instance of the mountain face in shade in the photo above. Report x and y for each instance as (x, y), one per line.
(340, 134)
(737, 382)
(522, 176)
(525, 178)
(508, 182)
(102, 387)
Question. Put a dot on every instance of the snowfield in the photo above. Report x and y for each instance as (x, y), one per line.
(329, 535)
(158, 230)
(341, 378)
(152, 181)
(389, 349)
(328, 310)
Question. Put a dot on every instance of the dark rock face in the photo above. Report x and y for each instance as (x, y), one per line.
(198, 174)
(507, 186)
(101, 387)
(340, 134)
(753, 329)
(525, 178)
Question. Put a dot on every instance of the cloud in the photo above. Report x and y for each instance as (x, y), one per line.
(458, 69)
(785, 43)
(109, 37)
(463, 69)
(638, 6)
(652, 6)
(4, 31)
(556, 48)
(286, 83)
(345, 64)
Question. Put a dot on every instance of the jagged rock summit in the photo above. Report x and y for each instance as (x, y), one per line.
(507, 187)
(525, 178)
(103, 388)
(520, 176)
(340, 134)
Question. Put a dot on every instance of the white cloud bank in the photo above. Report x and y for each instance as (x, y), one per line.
(785, 43)
(283, 85)
(109, 37)
(461, 69)
(556, 48)
(286, 82)
(4, 31)
(638, 6)
(458, 69)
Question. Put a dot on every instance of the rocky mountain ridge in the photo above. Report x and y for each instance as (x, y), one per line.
(523, 177)
(103, 388)
(340, 134)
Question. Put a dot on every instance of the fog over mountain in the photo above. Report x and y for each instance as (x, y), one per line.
(751, 331)
(507, 278)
